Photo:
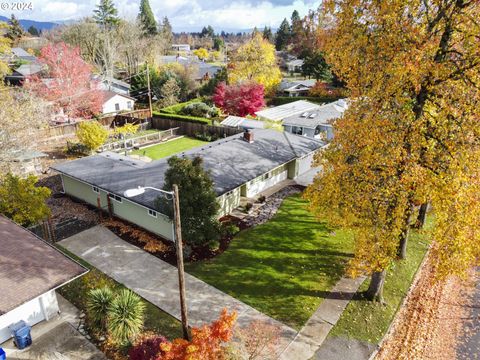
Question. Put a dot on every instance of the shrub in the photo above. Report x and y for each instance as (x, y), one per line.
(192, 119)
(125, 317)
(22, 201)
(206, 136)
(280, 100)
(91, 134)
(147, 347)
(230, 229)
(126, 129)
(248, 206)
(200, 109)
(321, 89)
(98, 304)
(257, 341)
(76, 149)
(262, 199)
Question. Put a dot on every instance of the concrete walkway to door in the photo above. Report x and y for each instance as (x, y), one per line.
(157, 281)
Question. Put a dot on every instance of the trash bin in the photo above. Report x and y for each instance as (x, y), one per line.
(3, 356)
(21, 334)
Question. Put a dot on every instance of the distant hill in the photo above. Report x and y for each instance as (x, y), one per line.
(40, 25)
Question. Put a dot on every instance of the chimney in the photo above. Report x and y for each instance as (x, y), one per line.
(248, 136)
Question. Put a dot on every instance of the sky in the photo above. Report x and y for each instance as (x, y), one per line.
(183, 14)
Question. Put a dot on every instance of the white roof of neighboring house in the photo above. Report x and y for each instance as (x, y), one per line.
(323, 115)
(281, 112)
(109, 79)
(296, 62)
(237, 121)
(22, 54)
(111, 94)
(28, 69)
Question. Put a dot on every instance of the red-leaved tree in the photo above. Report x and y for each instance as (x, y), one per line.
(67, 82)
(242, 99)
(206, 344)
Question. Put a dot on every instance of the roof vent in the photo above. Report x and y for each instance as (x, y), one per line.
(304, 115)
(312, 116)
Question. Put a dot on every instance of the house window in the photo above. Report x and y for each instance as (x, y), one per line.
(152, 213)
(117, 106)
(297, 130)
(115, 197)
(129, 104)
(95, 189)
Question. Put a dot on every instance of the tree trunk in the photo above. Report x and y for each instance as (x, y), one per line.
(402, 248)
(422, 216)
(375, 290)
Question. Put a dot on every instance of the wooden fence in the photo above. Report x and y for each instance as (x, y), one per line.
(53, 133)
(193, 129)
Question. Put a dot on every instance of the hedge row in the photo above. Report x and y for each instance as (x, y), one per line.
(280, 100)
(186, 118)
(175, 109)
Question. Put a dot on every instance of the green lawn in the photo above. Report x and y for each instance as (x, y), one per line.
(169, 148)
(283, 268)
(364, 320)
(76, 292)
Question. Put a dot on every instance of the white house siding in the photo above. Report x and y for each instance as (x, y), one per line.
(305, 163)
(229, 201)
(41, 308)
(124, 104)
(267, 180)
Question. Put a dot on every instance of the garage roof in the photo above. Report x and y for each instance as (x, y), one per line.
(30, 267)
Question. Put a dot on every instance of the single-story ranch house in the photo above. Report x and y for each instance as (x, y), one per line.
(30, 271)
(316, 123)
(240, 166)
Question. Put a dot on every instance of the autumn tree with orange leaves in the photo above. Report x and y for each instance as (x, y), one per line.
(206, 344)
(411, 134)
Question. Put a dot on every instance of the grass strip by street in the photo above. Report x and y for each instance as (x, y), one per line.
(368, 321)
(76, 292)
(169, 148)
(283, 268)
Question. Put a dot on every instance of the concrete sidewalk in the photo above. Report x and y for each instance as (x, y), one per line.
(312, 336)
(157, 281)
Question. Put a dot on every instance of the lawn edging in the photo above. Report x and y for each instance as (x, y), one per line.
(392, 325)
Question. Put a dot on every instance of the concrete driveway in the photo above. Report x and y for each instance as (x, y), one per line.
(157, 281)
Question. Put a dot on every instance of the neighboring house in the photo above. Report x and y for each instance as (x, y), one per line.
(111, 84)
(114, 103)
(295, 65)
(250, 163)
(296, 88)
(20, 74)
(316, 123)
(205, 70)
(30, 271)
(21, 54)
(242, 123)
(278, 113)
(181, 47)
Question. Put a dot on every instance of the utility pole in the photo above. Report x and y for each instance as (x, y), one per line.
(149, 92)
(181, 271)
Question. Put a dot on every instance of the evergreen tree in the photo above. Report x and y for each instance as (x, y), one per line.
(15, 31)
(207, 32)
(267, 34)
(297, 26)
(32, 30)
(106, 14)
(147, 19)
(167, 30)
(199, 223)
(218, 43)
(283, 35)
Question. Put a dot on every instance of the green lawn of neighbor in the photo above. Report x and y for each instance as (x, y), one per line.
(367, 321)
(169, 148)
(283, 268)
(76, 292)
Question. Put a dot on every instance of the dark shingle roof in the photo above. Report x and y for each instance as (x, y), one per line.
(232, 162)
(29, 267)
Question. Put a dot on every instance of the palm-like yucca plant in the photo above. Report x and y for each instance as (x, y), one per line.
(125, 317)
(98, 305)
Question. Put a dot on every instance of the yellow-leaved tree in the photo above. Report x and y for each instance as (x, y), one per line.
(5, 49)
(411, 134)
(255, 61)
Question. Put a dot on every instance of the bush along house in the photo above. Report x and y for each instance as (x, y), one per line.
(241, 165)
